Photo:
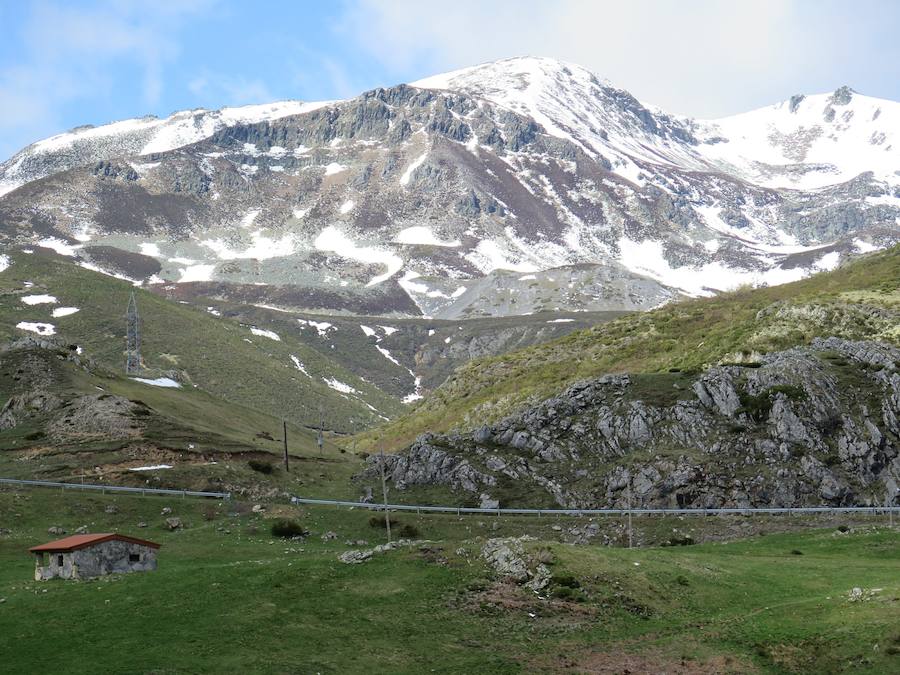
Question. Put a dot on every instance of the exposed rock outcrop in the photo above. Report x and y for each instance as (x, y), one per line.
(810, 425)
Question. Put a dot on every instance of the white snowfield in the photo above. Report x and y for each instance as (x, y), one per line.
(154, 467)
(415, 164)
(39, 328)
(64, 311)
(159, 382)
(322, 327)
(333, 240)
(298, 364)
(837, 140)
(337, 385)
(420, 235)
(38, 299)
(262, 332)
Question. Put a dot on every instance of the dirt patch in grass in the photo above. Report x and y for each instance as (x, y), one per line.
(621, 660)
(506, 598)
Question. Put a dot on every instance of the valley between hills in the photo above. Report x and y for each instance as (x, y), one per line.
(510, 286)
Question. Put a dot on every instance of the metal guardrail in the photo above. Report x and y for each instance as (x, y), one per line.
(114, 488)
(594, 512)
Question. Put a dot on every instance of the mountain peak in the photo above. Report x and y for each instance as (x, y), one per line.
(842, 95)
(518, 73)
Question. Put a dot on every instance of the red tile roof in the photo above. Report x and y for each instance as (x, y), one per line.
(77, 541)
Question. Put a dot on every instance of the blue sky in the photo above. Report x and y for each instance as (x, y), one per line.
(63, 64)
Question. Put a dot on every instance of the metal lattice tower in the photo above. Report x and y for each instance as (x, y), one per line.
(132, 338)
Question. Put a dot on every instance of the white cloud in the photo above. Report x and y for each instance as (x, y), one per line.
(230, 91)
(69, 51)
(704, 58)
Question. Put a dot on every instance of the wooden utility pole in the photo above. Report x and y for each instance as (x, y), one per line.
(630, 538)
(320, 438)
(387, 514)
(890, 505)
(287, 467)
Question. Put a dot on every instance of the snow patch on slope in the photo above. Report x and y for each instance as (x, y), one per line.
(38, 299)
(333, 240)
(39, 328)
(421, 235)
(262, 332)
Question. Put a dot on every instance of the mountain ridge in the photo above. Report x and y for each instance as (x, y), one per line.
(424, 201)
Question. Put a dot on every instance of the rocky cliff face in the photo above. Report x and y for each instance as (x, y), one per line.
(521, 186)
(807, 426)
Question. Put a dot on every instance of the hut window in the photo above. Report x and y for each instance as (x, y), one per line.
(59, 560)
(134, 557)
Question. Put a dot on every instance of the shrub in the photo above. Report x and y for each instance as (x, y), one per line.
(566, 580)
(567, 593)
(796, 551)
(832, 459)
(793, 392)
(676, 540)
(381, 522)
(477, 585)
(682, 580)
(545, 556)
(832, 424)
(757, 406)
(409, 532)
(261, 467)
(288, 529)
(843, 528)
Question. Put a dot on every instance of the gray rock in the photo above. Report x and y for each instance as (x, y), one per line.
(355, 557)
(784, 432)
(488, 502)
(506, 557)
(173, 523)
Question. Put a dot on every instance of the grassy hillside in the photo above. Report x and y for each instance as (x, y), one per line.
(229, 598)
(220, 356)
(859, 300)
(208, 443)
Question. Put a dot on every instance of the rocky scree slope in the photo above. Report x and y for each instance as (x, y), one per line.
(806, 426)
(520, 186)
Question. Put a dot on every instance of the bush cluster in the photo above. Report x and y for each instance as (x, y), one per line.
(261, 467)
(288, 529)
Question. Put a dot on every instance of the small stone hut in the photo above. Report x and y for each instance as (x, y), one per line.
(85, 556)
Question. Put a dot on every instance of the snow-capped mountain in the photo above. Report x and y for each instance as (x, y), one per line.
(518, 186)
(141, 136)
